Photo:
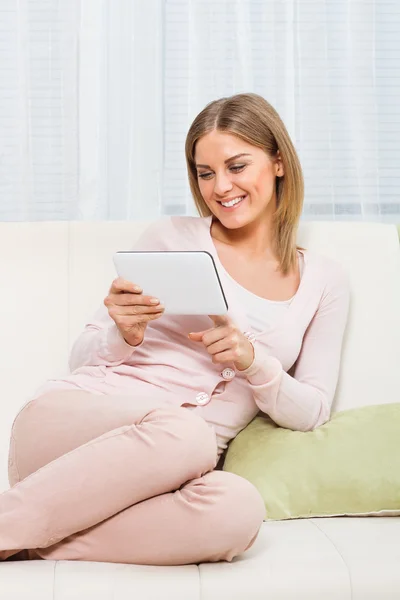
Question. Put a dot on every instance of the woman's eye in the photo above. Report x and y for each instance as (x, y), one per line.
(233, 169)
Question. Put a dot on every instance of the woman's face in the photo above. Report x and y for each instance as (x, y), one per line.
(230, 170)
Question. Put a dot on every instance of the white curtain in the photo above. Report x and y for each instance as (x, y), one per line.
(96, 97)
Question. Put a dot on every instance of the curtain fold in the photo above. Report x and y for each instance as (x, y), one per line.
(96, 97)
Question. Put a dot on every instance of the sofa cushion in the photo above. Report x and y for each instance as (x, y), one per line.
(370, 254)
(349, 466)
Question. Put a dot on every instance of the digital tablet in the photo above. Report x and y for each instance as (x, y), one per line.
(186, 282)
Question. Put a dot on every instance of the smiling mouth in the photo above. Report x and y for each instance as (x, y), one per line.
(233, 202)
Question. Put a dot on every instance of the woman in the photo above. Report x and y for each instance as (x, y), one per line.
(116, 462)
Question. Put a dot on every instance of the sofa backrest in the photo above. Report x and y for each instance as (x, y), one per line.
(55, 275)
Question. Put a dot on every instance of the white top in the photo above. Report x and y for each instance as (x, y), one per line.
(261, 313)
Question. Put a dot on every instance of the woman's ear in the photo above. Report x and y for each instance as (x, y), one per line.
(279, 170)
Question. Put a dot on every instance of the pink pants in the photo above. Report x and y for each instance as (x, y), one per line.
(109, 479)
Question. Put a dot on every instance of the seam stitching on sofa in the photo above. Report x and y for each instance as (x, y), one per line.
(339, 553)
(68, 290)
(199, 573)
(54, 580)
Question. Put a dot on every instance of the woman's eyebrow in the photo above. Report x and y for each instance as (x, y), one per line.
(225, 161)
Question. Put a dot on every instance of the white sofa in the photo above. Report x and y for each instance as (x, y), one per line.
(54, 275)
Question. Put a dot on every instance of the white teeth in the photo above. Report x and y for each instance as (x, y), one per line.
(232, 202)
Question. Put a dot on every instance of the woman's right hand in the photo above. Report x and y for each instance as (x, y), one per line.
(130, 310)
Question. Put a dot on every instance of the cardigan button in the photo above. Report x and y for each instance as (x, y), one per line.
(202, 398)
(228, 374)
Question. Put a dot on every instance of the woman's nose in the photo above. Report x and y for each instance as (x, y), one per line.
(222, 184)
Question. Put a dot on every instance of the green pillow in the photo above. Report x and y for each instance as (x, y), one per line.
(349, 466)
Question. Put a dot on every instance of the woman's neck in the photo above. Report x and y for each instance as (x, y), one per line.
(255, 240)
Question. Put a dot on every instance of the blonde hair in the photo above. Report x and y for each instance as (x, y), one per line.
(251, 118)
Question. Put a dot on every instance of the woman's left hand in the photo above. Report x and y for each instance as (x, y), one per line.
(226, 343)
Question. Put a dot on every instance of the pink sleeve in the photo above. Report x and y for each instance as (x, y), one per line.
(303, 402)
(101, 343)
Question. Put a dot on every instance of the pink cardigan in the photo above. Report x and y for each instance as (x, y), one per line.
(292, 379)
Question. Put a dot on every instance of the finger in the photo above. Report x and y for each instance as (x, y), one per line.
(196, 336)
(219, 346)
(209, 336)
(135, 300)
(220, 320)
(139, 310)
(126, 321)
(152, 317)
(123, 285)
(223, 357)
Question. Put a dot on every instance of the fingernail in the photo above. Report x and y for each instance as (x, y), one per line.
(154, 301)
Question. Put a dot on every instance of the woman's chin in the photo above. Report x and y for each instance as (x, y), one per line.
(235, 222)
